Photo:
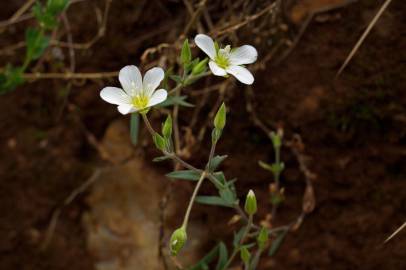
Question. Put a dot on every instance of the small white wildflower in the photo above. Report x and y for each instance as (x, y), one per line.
(137, 94)
(228, 61)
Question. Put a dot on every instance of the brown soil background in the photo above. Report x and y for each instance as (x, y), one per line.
(354, 130)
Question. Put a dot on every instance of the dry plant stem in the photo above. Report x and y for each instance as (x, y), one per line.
(395, 233)
(244, 236)
(364, 35)
(69, 75)
(192, 199)
(25, 17)
(306, 24)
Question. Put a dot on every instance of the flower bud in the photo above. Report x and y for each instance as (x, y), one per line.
(167, 127)
(159, 142)
(250, 203)
(186, 54)
(245, 254)
(200, 67)
(220, 118)
(178, 240)
(262, 237)
(276, 139)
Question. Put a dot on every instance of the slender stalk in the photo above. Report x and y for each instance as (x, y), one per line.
(212, 150)
(277, 179)
(192, 199)
(237, 248)
(148, 124)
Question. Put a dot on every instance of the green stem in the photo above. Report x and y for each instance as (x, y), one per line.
(237, 248)
(192, 199)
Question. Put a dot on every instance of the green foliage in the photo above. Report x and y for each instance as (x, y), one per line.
(10, 78)
(134, 127)
(184, 175)
(36, 40)
(36, 43)
(176, 100)
(47, 15)
(223, 256)
(213, 200)
(277, 243)
(216, 161)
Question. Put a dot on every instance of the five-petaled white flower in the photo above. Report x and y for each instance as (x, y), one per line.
(137, 94)
(226, 61)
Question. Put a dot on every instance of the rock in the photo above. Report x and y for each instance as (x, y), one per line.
(123, 221)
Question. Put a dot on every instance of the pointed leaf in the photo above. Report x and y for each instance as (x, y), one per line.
(134, 127)
(212, 200)
(277, 243)
(223, 256)
(185, 175)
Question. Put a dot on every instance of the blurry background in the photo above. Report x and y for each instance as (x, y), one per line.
(75, 193)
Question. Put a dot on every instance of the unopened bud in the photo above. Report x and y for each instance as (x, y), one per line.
(245, 254)
(250, 203)
(262, 237)
(178, 240)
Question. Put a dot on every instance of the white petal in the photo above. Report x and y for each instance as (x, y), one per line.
(126, 108)
(115, 96)
(218, 71)
(241, 73)
(206, 44)
(152, 79)
(243, 55)
(157, 97)
(131, 80)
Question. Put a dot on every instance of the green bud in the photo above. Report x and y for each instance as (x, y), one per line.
(245, 254)
(178, 240)
(276, 139)
(215, 135)
(220, 118)
(167, 127)
(250, 203)
(262, 237)
(186, 54)
(200, 67)
(159, 142)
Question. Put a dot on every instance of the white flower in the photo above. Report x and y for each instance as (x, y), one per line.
(137, 94)
(226, 61)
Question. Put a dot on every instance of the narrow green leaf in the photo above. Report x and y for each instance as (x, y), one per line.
(36, 43)
(223, 256)
(174, 100)
(277, 243)
(54, 7)
(206, 260)
(159, 159)
(238, 236)
(176, 78)
(212, 200)
(228, 195)
(216, 161)
(134, 127)
(10, 79)
(185, 175)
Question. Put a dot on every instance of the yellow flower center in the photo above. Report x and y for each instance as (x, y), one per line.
(222, 60)
(140, 101)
